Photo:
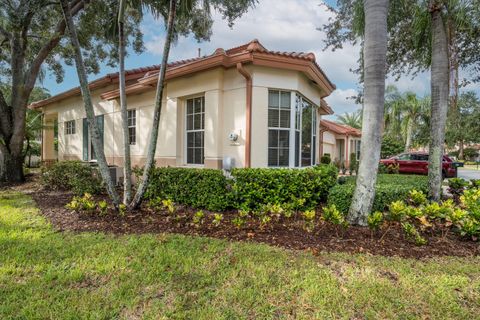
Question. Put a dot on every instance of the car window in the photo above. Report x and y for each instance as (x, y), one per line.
(420, 157)
(404, 156)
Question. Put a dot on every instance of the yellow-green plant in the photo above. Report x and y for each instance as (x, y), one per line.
(103, 207)
(433, 211)
(198, 217)
(75, 204)
(122, 209)
(333, 215)
(169, 206)
(397, 210)
(217, 219)
(412, 233)
(309, 217)
(417, 197)
(413, 212)
(375, 220)
(456, 215)
(469, 227)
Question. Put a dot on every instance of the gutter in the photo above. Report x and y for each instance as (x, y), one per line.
(248, 113)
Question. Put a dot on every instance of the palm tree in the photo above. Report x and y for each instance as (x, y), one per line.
(353, 119)
(375, 51)
(87, 100)
(439, 92)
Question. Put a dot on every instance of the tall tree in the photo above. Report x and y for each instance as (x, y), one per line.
(32, 43)
(87, 100)
(375, 51)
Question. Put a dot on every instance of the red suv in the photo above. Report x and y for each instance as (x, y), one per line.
(417, 163)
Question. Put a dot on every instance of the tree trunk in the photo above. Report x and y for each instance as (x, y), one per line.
(461, 149)
(439, 83)
(11, 167)
(158, 108)
(408, 141)
(127, 166)
(87, 100)
(375, 53)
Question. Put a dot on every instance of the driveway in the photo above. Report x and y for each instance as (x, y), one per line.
(468, 174)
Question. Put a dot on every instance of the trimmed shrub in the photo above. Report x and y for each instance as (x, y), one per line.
(254, 187)
(75, 176)
(325, 159)
(390, 188)
(199, 188)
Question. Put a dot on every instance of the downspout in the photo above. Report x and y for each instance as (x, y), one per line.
(347, 156)
(248, 113)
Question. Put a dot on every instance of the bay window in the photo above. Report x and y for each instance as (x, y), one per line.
(195, 114)
(291, 130)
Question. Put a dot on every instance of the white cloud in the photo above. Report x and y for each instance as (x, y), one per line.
(340, 101)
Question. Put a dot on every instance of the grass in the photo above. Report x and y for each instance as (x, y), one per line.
(45, 274)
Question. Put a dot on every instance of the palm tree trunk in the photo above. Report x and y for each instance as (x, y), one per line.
(439, 83)
(158, 108)
(127, 166)
(408, 141)
(375, 53)
(87, 100)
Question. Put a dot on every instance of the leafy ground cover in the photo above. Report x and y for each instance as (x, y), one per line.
(50, 274)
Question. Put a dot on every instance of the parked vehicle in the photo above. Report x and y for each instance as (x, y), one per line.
(417, 163)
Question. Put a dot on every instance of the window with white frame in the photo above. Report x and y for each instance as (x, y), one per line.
(195, 130)
(292, 131)
(132, 126)
(70, 127)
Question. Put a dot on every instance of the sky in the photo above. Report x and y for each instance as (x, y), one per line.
(280, 25)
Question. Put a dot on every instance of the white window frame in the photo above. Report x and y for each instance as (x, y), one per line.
(280, 128)
(132, 126)
(70, 127)
(293, 129)
(186, 131)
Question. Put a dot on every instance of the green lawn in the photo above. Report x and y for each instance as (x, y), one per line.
(50, 275)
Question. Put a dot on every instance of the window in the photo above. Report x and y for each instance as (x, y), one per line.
(70, 127)
(132, 126)
(292, 130)
(195, 114)
(405, 156)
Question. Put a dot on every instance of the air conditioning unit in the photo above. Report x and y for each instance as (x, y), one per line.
(117, 174)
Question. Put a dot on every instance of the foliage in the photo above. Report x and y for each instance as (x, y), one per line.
(217, 219)
(75, 176)
(103, 207)
(82, 204)
(253, 187)
(309, 217)
(198, 188)
(375, 220)
(412, 233)
(325, 159)
(417, 197)
(353, 119)
(122, 276)
(198, 217)
(333, 215)
(353, 165)
(456, 186)
(390, 147)
(389, 188)
(397, 210)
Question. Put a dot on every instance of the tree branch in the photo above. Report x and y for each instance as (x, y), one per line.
(32, 73)
(5, 33)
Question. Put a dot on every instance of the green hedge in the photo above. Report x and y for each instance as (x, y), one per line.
(75, 176)
(256, 186)
(248, 188)
(199, 188)
(390, 187)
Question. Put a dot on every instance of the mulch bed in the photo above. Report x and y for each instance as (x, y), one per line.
(286, 233)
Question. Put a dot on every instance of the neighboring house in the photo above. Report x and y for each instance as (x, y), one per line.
(339, 141)
(259, 108)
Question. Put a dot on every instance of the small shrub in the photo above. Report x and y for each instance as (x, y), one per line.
(217, 219)
(455, 216)
(412, 234)
(397, 210)
(325, 159)
(309, 217)
(168, 205)
(75, 176)
(417, 197)
(103, 207)
(470, 200)
(333, 215)
(375, 220)
(434, 211)
(122, 209)
(456, 187)
(469, 227)
(84, 204)
(198, 217)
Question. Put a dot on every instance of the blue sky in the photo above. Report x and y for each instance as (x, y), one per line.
(286, 25)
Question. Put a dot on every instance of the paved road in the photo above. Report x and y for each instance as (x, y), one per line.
(468, 174)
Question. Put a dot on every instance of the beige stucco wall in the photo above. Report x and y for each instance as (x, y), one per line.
(225, 105)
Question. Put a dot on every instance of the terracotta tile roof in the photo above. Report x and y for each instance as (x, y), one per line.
(145, 75)
(339, 128)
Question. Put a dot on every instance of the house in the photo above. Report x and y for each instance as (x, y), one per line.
(339, 141)
(250, 105)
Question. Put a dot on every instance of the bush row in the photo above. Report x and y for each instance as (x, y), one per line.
(389, 188)
(247, 189)
(75, 176)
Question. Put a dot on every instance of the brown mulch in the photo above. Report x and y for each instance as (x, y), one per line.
(286, 233)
